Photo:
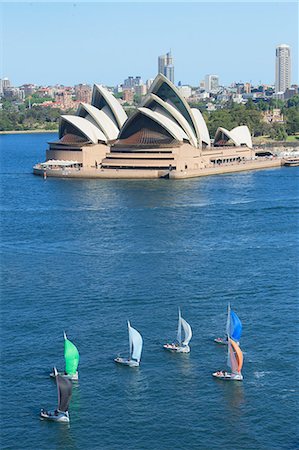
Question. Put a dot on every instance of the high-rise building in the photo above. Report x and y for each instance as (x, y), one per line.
(131, 82)
(211, 83)
(169, 72)
(283, 68)
(165, 66)
(4, 84)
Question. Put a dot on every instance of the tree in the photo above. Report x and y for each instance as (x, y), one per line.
(278, 132)
(294, 101)
(292, 120)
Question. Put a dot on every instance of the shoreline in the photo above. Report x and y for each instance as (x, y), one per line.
(28, 131)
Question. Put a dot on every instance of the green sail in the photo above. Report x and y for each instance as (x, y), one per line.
(71, 356)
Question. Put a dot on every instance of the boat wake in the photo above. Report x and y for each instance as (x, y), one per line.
(261, 374)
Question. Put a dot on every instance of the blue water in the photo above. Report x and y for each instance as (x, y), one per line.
(86, 255)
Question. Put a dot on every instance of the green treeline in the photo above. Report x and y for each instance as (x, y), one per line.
(20, 117)
(251, 115)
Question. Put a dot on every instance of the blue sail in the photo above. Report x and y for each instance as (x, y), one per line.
(235, 326)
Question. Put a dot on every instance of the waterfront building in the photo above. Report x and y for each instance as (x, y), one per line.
(211, 83)
(164, 136)
(165, 66)
(238, 137)
(84, 138)
(283, 68)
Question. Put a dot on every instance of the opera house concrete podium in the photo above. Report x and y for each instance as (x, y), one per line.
(163, 138)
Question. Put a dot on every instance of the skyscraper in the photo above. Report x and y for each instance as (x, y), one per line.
(211, 83)
(165, 66)
(283, 68)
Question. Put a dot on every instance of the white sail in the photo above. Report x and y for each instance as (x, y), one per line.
(135, 343)
(187, 331)
(179, 335)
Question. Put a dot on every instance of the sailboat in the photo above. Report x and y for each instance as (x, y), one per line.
(71, 356)
(234, 361)
(233, 327)
(64, 392)
(181, 346)
(135, 342)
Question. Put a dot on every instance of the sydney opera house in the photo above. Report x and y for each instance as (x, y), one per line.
(164, 137)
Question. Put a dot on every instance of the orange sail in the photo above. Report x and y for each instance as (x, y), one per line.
(237, 355)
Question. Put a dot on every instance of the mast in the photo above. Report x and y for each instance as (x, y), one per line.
(179, 335)
(228, 321)
(130, 340)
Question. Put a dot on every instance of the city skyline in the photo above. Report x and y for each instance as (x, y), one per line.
(53, 58)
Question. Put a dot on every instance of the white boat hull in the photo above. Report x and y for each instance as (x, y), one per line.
(222, 341)
(55, 416)
(177, 348)
(228, 376)
(127, 362)
(74, 377)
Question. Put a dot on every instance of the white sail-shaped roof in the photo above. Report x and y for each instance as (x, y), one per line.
(153, 99)
(103, 99)
(202, 126)
(242, 135)
(238, 135)
(100, 119)
(175, 130)
(166, 90)
(86, 128)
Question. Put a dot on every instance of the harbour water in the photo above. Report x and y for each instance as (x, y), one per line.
(86, 255)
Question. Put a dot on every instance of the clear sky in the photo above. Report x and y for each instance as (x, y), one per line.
(73, 42)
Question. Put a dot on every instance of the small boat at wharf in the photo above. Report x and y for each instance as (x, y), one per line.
(181, 346)
(64, 393)
(135, 344)
(71, 357)
(291, 162)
